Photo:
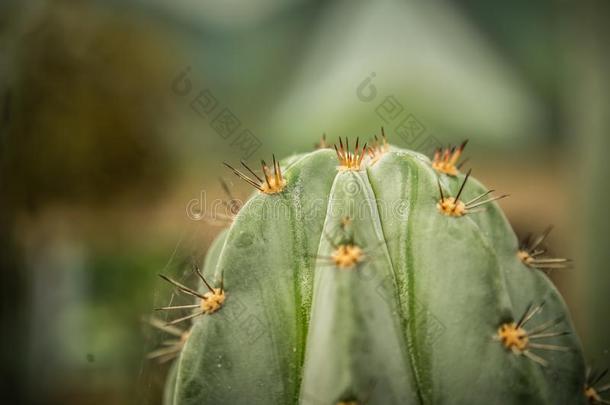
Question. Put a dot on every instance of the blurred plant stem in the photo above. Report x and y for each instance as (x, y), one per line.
(587, 97)
(13, 283)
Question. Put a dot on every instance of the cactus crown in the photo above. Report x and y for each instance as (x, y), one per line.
(375, 275)
(446, 160)
(350, 160)
(273, 182)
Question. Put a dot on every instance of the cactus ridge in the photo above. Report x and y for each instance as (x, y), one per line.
(376, 275)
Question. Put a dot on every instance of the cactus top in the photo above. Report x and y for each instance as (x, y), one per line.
(377, 276)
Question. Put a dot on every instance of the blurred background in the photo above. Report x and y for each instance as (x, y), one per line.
(116, 116)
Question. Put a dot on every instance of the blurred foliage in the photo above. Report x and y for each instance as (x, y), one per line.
(444, 74)
(87, 97)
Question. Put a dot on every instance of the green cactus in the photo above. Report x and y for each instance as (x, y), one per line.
(375, 276)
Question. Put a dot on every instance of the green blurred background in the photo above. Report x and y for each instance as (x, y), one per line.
(104, 146)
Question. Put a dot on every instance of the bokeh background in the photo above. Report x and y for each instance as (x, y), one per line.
(116, 116)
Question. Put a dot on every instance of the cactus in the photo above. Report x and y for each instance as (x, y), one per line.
(380, 276)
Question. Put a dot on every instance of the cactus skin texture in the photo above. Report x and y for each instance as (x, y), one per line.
(349, 284)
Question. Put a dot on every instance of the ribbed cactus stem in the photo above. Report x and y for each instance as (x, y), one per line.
(375, 275)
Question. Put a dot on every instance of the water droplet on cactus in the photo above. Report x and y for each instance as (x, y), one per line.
(244, 240)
